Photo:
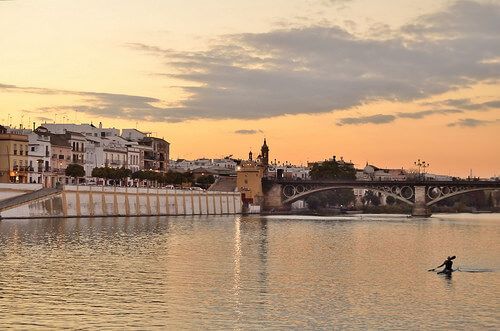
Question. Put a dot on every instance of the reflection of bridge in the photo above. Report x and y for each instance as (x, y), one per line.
(280, 194)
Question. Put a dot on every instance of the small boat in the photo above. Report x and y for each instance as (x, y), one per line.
(446, 272)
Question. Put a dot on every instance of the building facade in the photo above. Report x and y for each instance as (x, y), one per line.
(14, 164)
(61, 158)
(40, 157)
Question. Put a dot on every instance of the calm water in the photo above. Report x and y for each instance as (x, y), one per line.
(237, 272)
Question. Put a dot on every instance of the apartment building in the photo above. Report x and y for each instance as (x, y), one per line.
(13, 157)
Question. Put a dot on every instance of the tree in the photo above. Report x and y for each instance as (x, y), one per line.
(205, 181)
(390, 200)
(74, 170)
(370, 198)
(314, 202)
(333, 198)
(332, 170)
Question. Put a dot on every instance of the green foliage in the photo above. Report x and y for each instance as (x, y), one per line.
(390, 200)
(174, 178)
(478, 200)
(111, 173)
(205, 181)
(332, 170)
(370, 198)
(74, 170)
(314, 202)
(332, 198)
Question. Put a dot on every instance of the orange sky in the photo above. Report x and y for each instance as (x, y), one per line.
(383, 82)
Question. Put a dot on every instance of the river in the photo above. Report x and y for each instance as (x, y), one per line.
(250, 272)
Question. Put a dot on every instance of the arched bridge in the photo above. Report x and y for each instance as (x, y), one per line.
(419, 194)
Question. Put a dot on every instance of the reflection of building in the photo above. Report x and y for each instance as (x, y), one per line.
(13, 157)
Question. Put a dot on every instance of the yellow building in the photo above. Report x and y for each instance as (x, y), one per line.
(249, 176)
(249, 181)
(14, 165)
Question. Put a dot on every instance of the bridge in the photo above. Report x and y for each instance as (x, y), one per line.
(280, 194)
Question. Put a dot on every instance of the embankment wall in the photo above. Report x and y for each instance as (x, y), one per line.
(90, 201)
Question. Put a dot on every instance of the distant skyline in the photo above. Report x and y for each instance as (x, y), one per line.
(384, 82)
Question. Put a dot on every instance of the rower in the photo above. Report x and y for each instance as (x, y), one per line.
(448, 265)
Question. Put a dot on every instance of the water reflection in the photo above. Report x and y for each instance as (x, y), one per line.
(248, 273)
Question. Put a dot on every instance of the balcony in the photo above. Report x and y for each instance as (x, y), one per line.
(20, 168)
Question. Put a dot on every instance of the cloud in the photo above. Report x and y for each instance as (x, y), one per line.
(102, 104)
(43, 119)
(424, 113)
(463, 18)
(335, 2)
(467, 104)
(244, 131)
(472, 123)
(317, 69)
(374, 119)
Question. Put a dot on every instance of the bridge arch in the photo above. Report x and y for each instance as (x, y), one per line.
(302, 195)
(449, 195)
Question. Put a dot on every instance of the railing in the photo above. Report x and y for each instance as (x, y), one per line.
(20, 168)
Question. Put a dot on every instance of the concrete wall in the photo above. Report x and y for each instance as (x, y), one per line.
(8, 190)
(85, 201)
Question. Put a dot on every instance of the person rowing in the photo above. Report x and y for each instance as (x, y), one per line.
(448, 265)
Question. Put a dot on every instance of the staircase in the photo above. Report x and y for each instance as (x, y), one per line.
(224, 184)
(28, 197)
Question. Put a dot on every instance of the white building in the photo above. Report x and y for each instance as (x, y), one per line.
(134, 134)
(289, 172)
(39, 158)
(88, 130)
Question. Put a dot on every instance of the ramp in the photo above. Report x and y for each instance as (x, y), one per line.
(28, 198)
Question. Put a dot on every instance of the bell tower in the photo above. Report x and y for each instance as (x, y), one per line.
(264, 152)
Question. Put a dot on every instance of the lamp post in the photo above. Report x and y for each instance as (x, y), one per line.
(422, 165)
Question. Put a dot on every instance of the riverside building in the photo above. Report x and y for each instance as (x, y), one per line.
(13, 157)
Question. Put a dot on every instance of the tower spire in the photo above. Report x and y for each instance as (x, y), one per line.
(264, 152)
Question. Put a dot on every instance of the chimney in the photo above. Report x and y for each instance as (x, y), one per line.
(100, 125)
(33, 126)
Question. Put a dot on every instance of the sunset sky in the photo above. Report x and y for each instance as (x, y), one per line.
(378, 81)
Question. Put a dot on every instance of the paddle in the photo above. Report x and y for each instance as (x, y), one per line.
(449, 258)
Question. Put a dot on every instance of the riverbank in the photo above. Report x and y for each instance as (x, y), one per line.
(100, 201)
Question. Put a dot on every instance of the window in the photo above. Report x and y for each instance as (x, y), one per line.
(61, 157)
(33, 148)
(15, 149)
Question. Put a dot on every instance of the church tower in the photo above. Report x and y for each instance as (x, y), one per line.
(264, 152)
